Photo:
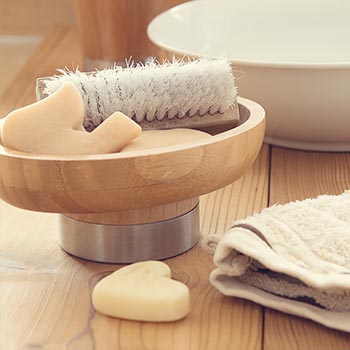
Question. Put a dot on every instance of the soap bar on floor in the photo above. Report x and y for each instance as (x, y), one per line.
(142, 291)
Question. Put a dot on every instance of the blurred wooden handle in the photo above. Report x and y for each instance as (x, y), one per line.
(116, 29)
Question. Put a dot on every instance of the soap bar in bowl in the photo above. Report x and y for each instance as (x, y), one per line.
(142, 291)
(54, 126)
(150, 139)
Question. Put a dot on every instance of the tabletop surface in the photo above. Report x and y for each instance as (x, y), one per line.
(46, 294)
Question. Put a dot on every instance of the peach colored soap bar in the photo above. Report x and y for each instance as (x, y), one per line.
(142, 291)
(54, 126)
(162, 138)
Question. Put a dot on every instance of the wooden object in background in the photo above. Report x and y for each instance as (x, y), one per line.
(114, 30)
(34, 17)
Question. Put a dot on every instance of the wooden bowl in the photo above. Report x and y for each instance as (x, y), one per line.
(127, 182)
(127, 207)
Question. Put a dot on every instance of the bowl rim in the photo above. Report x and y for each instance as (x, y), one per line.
(256, 117)
(249, 63)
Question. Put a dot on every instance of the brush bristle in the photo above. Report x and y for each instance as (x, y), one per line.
(153, 92)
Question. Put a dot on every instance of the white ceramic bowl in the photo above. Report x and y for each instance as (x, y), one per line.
(295, 55)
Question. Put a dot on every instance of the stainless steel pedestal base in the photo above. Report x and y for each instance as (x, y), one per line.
(130, 243)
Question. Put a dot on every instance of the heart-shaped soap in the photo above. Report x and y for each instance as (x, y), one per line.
(142, 291)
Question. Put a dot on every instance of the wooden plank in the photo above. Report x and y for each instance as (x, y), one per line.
(297, 175)
(46, 293)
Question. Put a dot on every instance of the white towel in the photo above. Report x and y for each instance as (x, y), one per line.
(294, 258)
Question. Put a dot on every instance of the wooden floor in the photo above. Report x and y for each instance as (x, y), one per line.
(45, 294)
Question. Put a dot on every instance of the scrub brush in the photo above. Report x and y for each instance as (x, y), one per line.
(196, 94)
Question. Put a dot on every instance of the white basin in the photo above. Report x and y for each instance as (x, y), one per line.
(295, 56)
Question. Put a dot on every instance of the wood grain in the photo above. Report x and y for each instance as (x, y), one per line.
(297, 175)
(46, 293)
(245, 196)
(139, 216)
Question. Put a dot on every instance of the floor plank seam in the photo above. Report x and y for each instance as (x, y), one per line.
(269, 175)
(263, 329)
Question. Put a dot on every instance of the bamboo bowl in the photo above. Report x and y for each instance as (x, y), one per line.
(129, 191)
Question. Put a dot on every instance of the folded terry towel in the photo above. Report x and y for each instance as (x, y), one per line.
(294, 258)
